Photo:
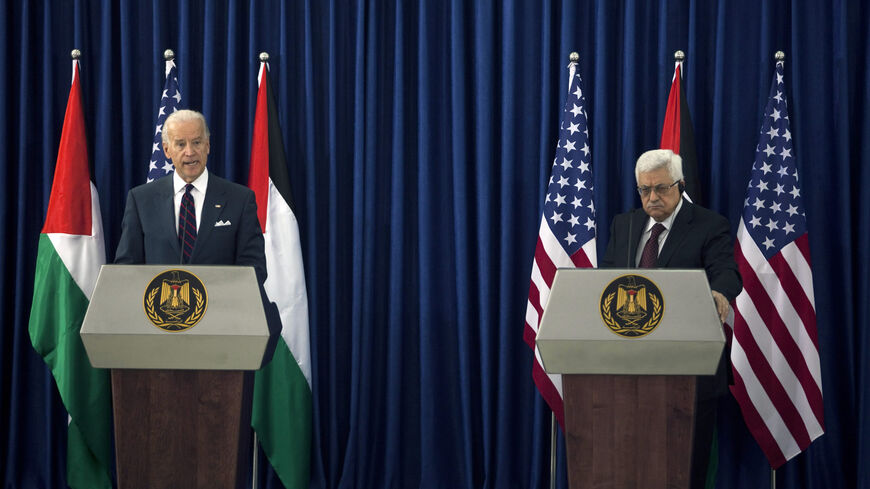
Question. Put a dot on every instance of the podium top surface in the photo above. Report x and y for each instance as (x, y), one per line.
(630, 321)
(176, 316)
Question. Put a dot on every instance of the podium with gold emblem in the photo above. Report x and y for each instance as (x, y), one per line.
(629, 345)
(182, 343)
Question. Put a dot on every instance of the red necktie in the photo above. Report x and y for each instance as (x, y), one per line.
(651, 249)
(187, 223)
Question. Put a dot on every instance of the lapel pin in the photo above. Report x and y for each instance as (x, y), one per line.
(217, 206)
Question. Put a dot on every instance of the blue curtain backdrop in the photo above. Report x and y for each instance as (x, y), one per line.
(420, 136)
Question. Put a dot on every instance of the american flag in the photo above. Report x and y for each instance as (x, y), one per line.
(159, 166)
(775, 352)
(566, 238)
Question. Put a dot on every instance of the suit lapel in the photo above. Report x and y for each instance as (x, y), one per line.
(215, 201)
(677, 234)
(164, 205)
(638, 222)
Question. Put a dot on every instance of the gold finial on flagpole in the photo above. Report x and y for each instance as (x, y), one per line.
(264, 57)
(679, 55)
(168, 55)
(75, 54)
(574, 57)
(779, 56)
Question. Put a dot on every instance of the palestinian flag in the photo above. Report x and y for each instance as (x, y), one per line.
(678, 135)
(71, 251)
(281, 414)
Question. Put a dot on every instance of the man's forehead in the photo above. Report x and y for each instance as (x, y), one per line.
(183, 137)
(658, 173)
(179, 131)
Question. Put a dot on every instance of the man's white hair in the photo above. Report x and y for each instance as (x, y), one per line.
(654, 159)
(184, 115)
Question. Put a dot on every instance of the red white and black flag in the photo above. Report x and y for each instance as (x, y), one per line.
(71, 252)
(678, 135)
(282, 409)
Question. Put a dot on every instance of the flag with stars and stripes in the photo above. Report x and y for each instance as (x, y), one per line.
(775, 350)
(159, 165)
(566, 236)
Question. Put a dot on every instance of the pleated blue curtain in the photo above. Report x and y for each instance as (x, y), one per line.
(420, 136)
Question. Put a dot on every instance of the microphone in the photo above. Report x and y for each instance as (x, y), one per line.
(178, 227)
(628, 253)
(180, 245)
(179, 230)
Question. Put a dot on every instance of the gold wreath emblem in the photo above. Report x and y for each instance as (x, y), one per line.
(632, 329)
(176, 320)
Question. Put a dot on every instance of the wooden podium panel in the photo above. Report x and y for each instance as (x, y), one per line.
(182, 428)
(629, 431)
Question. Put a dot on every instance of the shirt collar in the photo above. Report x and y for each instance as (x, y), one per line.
(201, 182)
(668, 222)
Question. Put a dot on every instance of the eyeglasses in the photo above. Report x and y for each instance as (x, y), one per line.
(660, 189)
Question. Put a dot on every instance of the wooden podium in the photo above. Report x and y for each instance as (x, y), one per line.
(182, 382)
(629, 345)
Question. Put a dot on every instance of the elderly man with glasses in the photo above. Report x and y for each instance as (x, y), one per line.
(671, 232)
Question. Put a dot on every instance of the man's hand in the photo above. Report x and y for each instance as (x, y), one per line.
(721, 305)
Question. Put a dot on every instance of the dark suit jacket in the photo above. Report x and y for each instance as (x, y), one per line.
(699, 238)
(148, 234)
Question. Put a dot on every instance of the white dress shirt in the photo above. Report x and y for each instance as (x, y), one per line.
(199, 187)
(667, 223)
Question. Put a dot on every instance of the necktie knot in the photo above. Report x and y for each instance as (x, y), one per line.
(656, 230)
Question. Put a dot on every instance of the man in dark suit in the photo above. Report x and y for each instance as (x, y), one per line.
(220, 225)
(670, 232)
(691, 237)
(197, 218)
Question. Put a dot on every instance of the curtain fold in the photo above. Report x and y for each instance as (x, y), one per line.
(420, 137)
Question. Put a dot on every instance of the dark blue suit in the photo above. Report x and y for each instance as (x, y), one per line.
(149, 236)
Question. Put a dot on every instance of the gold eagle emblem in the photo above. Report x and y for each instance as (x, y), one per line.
(168, 300)
(175, 296)
(638, 307)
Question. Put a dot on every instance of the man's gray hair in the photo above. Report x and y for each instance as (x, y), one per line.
(654, 159)
(184, 115)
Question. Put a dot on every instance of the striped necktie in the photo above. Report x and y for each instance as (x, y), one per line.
(187, 223)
